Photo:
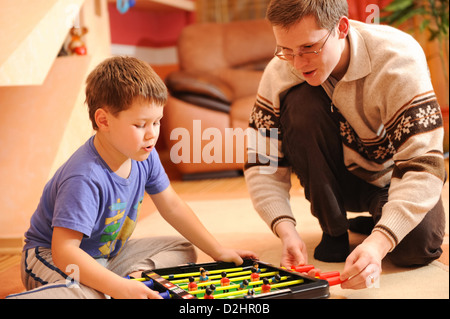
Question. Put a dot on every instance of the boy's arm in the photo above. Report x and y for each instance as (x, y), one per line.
(66, 251)
(178, 214)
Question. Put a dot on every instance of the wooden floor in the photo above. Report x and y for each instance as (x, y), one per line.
(8, 261)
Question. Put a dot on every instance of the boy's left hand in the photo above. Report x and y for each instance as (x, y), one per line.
(235, 255)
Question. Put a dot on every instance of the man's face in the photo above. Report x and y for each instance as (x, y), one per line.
(306, 36)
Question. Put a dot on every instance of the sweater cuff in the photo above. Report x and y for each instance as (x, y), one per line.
(275, 213)
(389, 234)
(395, 226)
(280, 219)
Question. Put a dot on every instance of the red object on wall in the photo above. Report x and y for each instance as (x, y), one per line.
(357, 8)
(146, 28)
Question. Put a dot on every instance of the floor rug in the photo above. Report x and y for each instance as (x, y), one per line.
(235, 224)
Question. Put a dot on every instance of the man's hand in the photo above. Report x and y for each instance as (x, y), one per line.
(294, 249)
(363, 265)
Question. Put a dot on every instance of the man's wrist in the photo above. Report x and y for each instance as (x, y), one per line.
(381, 241)
(285, 229)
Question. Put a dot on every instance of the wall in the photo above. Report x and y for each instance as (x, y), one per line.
(359, 10)
(148, 33)
(41, 125)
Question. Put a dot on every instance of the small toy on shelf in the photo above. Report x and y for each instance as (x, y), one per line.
(76, 45)
(124, 5)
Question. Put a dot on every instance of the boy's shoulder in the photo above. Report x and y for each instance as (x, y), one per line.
(86, 167)
(85, 161)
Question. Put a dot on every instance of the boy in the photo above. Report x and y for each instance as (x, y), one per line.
(360, 125)
(89, 209)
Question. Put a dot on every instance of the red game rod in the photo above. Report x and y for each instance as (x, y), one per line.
(334, 280)
(304, 268)
(333, 277)
(329, 274)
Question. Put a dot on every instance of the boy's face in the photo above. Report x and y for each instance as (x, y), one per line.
(134, 132)
(306, 36)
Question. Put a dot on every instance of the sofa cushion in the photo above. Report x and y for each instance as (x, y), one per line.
(240, 111)
(199, 84)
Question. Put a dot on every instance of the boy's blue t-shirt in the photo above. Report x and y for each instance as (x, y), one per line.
(86, 196)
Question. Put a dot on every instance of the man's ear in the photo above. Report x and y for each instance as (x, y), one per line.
(102, 119)
(343, 27)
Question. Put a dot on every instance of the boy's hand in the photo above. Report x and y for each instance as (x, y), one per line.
(231, 255)
(133, 289)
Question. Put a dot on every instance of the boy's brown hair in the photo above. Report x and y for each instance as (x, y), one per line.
(285, 13)
(116, 82)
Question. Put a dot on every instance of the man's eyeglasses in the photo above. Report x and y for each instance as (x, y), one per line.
(309, 50)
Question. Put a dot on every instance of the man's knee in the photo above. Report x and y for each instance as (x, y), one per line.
(302, 105)
(406, 258)
(423, 244)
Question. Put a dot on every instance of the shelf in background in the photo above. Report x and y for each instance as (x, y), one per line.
(31, 37)
(164, 5)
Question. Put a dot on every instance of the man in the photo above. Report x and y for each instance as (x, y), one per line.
(359, 124)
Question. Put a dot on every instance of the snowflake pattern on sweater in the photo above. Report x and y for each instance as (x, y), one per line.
(422, 115)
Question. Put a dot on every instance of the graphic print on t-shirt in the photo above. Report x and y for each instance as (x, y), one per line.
(118, 228)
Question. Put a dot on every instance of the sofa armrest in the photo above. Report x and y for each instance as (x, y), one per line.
(203, 90)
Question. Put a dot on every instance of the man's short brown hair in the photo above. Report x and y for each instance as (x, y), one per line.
(116, 82)
(285, 13)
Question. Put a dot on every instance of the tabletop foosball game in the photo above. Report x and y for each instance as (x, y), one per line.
(252, 279)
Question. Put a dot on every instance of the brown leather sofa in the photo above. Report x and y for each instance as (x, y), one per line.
(214, 90)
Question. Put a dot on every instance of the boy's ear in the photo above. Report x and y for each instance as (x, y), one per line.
(101, 118)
